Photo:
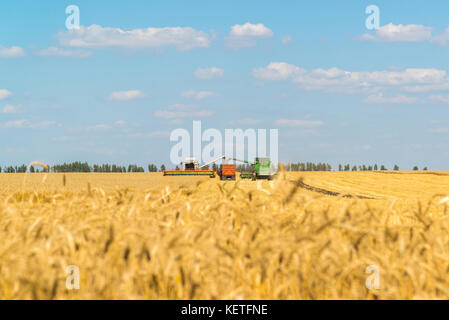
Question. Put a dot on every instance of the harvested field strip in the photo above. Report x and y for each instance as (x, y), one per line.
(301, 184)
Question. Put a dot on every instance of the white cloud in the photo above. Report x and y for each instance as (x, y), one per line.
(99, 127)
(11, 52)
(400, 33)
(208, 73)
(158, 134)
(244, 35)
(441, 39)
(59, 52)
(10, 109)
(182, 111)
(407, 33)
(366, 147)
(126, 95)
(4, 94)
(299, 123)
(337, 80)
(439, 98)
(197, 95)
(62, 138)
(121, 123)
(246, 121)
(250, 30)
(94, 36)
(439, 130)
(153, 134)
(379, 98)
(278, 71)
(286, 39)
(22, 123)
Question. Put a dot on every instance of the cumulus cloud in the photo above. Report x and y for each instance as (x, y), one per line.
(400, 33)
(23, 123)
(10, 109)
(276, 71)
(246, 121)
(197, 95)
(245, 35)
(153, 134)
(120, 123)
(379, 98)
(62, 138)
(182, 111)
(286, 39)
(439, 98)
(442, 39)
(95, 36)
(338, 80)
(5, 94)
(60, 52)
(299, 123)
(11, 52)
(208, 73)
(407, 33)
(126, 95)
(439, 130)
(99, 127)
(250, 30)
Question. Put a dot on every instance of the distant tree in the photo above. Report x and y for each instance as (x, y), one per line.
(396, 167)
(32, 169)
(21, 169)
(162, 168)
(370, 168)
(152, 168)
(354, 168)
(425, 168)
(382, 167)
(10, 169)
(415, 168)
(339, 167)
(135, 168)
(375, 167)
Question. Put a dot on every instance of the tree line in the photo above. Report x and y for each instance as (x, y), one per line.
(79, 166)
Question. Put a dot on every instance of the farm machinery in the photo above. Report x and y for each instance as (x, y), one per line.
(261, 169)
(190, 167)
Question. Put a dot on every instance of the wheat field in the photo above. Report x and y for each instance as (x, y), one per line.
(311, 235)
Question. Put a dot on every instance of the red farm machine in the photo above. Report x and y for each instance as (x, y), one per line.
(190, 167)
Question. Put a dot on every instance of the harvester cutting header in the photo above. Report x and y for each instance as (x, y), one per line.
(261, 169)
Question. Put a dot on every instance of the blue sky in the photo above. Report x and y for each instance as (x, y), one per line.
(112, 91)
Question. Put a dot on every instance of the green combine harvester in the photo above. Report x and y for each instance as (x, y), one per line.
(261, 169)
